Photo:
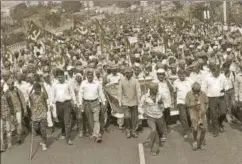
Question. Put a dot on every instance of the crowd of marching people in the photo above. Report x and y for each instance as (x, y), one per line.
(195, 69)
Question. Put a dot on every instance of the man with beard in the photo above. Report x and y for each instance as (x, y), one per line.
(129, 95)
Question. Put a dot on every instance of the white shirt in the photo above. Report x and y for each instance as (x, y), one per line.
(5, 85)
(238, 87)
(229, 81)
(62, 92)
(196, 77)
(25, 88)
(48, 88)
(213, 86)
(91, 91)
(113, 79)
(164, 93)
(182, 88)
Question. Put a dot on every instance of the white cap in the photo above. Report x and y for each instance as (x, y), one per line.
(137, 64)
(160, 71)
(69, 68)
(229, 49)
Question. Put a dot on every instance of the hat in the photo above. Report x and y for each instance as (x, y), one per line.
(228, 49)
(89, 71)
(45, 75)
(69, 68)
(79, 74)
(30, 75)
(182, 62)
(136, 64)
(160, 71)
(153, 86)
(128, 70)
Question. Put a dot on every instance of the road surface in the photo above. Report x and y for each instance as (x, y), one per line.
(117, 149)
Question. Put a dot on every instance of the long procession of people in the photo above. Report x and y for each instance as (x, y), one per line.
(193, 69)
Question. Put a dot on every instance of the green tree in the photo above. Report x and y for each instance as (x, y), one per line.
(20, 12)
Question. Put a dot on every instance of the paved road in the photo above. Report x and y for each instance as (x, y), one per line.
(116, 149)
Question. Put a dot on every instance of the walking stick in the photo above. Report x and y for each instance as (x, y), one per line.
(32, 140)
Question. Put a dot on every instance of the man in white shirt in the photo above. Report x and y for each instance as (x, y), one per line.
(90, 95)
(64, 98)
(214, 86)
(181, 87)
(164, 91)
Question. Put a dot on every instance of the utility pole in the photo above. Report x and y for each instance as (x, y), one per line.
(225, 12)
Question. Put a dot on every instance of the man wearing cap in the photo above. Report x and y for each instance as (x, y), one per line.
(197, 104)
(90, 96)
(214, 86)
(172, 73)
(181, 87)
(129, 94)
(64, 98)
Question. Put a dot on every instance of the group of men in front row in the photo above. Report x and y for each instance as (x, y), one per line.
(202, 93)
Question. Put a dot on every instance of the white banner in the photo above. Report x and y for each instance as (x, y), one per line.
(133, 40)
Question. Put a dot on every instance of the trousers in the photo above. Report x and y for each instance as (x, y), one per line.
(217, 110)
(130, 117)
(92, 112)
(64, 113)
(5, 133)
(157, 130)
(184, 117)
(41, 126)
(50, 115)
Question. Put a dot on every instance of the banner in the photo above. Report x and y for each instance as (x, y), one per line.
(36, 32)
(133, 40)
